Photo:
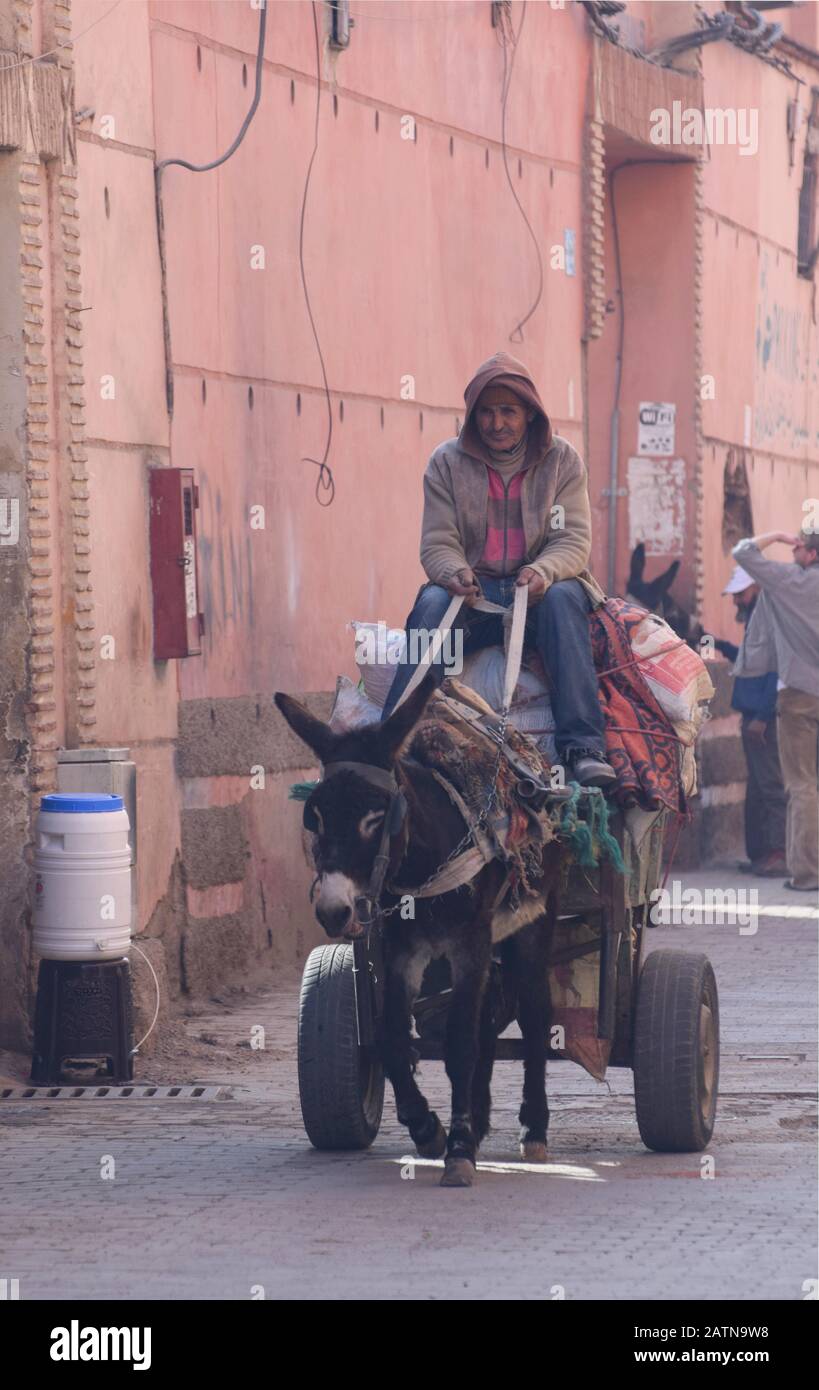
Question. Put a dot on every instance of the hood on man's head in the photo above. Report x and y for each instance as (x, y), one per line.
(504, 370)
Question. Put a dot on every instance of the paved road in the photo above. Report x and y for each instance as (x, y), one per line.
(220, 1197)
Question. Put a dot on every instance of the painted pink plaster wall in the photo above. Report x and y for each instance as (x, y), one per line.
(418, 265)
(126, 417)
(760, 335)
(654, 204)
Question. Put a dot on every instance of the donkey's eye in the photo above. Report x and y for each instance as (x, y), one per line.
(368, 824)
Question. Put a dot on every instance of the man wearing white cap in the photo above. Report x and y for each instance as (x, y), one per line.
(790, 598)
(754, 697)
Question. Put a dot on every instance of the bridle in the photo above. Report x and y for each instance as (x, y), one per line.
(368, 904)
(396, 814)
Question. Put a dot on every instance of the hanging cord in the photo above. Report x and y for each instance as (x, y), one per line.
(198, 169)
(214, 163)
(156, 987)
(325, 482)
(508, 39)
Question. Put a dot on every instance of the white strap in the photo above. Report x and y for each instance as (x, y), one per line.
(437, 642)
(514, 655)
(452, 875)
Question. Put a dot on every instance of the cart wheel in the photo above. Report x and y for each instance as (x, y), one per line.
(341, 1085)
(676, 1052)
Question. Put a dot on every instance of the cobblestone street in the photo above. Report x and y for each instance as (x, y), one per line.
(217, 1196)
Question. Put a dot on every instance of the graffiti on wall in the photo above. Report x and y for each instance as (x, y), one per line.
(782, 367)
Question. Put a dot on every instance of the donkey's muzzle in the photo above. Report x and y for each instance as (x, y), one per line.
(335, 920)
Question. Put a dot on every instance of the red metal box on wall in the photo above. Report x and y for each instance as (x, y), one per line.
(178, 623)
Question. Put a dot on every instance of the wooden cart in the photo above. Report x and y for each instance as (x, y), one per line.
(659, 1016)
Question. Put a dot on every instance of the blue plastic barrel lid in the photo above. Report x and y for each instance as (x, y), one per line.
(81, 801)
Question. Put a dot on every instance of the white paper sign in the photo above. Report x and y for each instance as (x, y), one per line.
(656, 505)
(655, 429)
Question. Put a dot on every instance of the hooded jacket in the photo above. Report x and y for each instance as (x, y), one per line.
(456, 491)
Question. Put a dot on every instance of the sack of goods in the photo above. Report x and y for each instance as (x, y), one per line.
(379, 650)
(676, 675)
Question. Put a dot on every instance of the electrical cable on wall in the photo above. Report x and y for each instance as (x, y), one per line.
(69, 43)
(325, 481)
(748, 30)
(214, 163)
(508, 39)
(199, 169)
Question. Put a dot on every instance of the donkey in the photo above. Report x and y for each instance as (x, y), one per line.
(654, 595)
(348, 811)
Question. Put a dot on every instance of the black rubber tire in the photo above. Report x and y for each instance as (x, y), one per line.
(676, 1052)
(341, 1087)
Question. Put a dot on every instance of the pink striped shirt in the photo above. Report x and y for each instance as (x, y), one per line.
(505, 546)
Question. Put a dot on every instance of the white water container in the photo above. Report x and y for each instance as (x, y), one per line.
(82, 877)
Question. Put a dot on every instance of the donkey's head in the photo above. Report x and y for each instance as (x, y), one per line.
(348, 810)
(654, 594)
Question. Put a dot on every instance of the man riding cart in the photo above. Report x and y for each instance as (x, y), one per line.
(444, 793)
(506, 505)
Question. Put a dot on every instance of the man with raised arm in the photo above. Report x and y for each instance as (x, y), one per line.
(790, 593)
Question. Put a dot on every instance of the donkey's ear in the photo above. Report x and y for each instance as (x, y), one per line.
(665, 580)
(638, 564)
(403, 720)
(312, 731)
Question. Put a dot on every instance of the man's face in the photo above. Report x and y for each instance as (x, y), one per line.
(744, 599)
(501, 417)
(804, 555)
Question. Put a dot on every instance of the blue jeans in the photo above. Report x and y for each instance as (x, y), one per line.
(557, 626)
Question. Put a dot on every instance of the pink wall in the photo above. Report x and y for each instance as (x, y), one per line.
(760, 336)
(654, 204)
(418, 264)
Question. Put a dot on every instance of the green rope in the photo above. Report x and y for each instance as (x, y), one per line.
(301, 790)
(590, 839)
(606, 838)
(600, 828)
(576, 831)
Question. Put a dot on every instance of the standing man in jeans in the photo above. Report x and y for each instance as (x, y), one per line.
(790, 595)
(506, 505)
(754, 697)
